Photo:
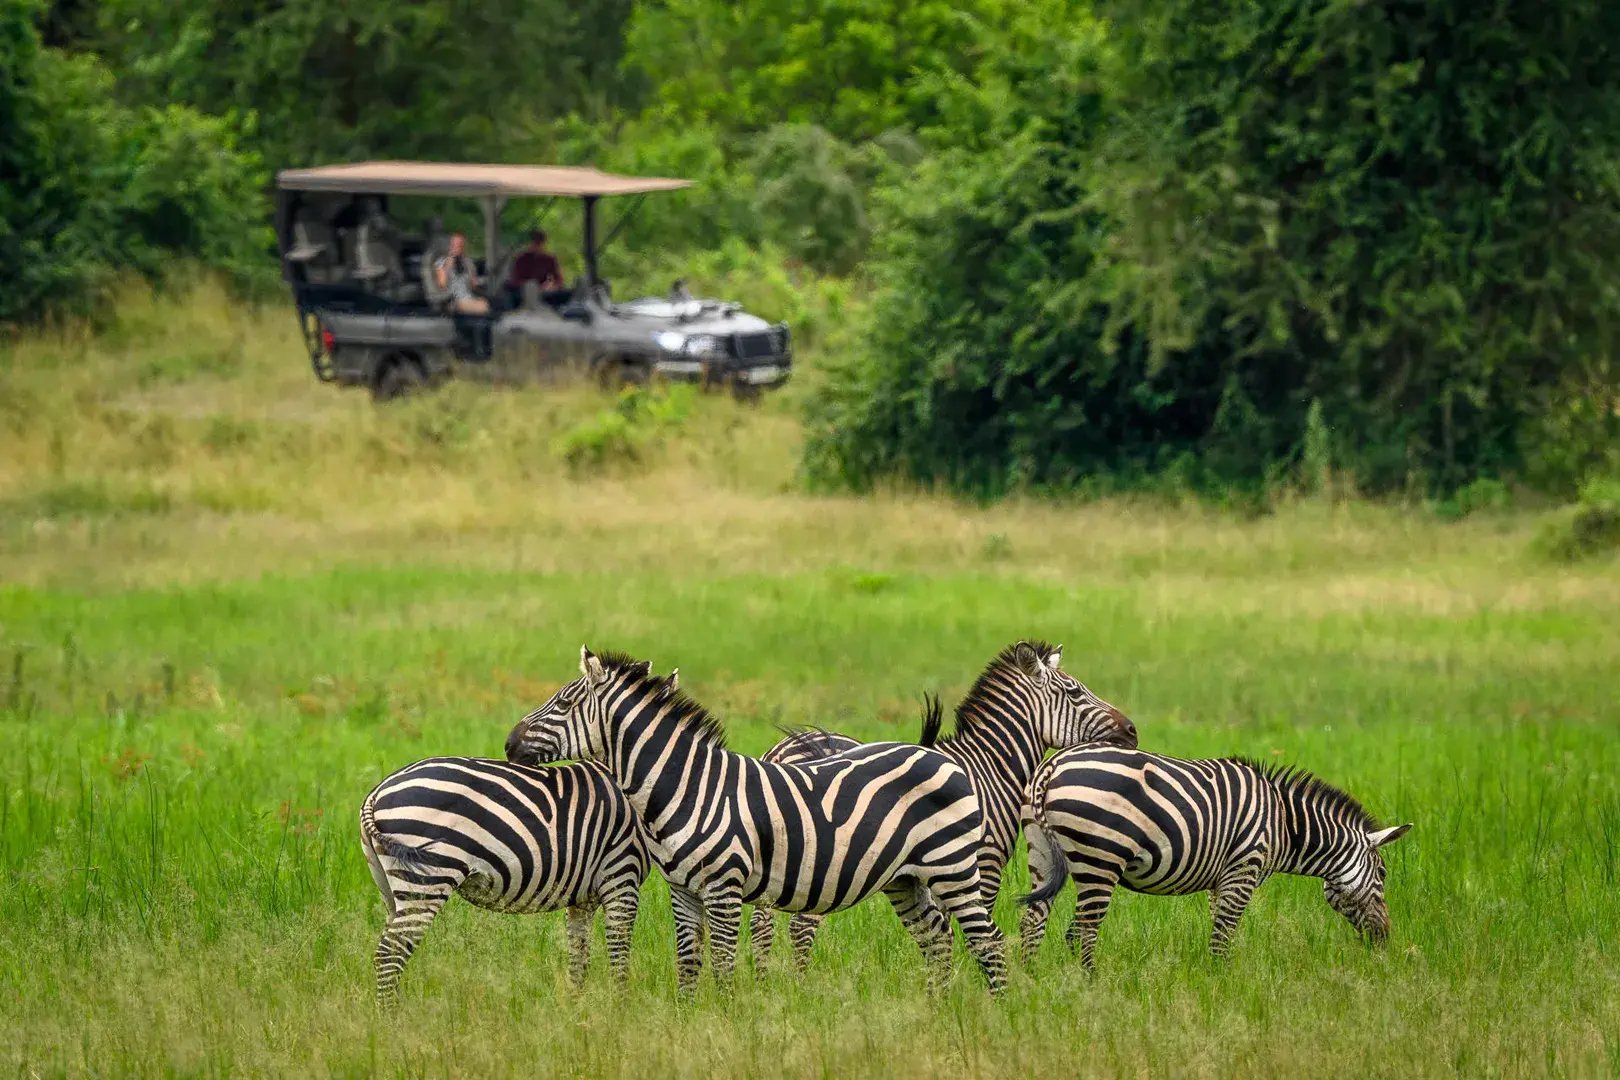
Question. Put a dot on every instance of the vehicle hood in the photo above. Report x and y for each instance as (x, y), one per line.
(689, 316)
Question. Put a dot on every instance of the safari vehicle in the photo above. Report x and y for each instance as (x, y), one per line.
(373, 314)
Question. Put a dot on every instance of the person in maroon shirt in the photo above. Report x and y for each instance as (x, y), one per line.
(534, 263)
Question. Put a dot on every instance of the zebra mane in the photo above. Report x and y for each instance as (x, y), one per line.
(677, 706)
(1007, 662)
(1292, 778)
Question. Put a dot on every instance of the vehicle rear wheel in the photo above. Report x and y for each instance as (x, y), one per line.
(401, 376)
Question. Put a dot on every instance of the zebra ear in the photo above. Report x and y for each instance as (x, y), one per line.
(1054, 659)
(591, 667)
(1388, 836)
(669, 686)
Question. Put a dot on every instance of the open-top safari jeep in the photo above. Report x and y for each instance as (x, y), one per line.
(373, 312)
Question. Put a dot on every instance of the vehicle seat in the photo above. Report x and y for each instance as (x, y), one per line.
(315, 248)
(376, 260)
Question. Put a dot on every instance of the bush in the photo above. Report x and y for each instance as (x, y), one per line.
(638, 421)
(93, 190)
(1590, 528)
(1151, 255)
(1483, 494)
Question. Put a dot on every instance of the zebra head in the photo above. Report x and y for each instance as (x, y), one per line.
(1355, 887)
(572, 724)
(1065, 711)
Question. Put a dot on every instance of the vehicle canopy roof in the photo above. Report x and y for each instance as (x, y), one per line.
(470, 181)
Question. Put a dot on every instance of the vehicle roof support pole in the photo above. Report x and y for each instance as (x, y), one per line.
(492, 233)
(590, 239)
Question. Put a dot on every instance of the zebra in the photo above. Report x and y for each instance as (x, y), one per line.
(1170, 826)
(798, 746)
(726, 829)
(507, 837)
(1021, 705)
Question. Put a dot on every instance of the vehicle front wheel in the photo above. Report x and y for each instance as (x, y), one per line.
(401, 376)
(615, 374)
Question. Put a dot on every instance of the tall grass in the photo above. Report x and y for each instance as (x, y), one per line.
(232, 600)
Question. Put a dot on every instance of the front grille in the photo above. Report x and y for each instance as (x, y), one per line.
(755, 346)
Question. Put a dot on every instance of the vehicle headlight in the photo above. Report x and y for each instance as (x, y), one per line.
(704, 345)
(670, 341)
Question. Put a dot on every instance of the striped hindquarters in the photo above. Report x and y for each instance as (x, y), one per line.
(1163, 825)
(507, 837)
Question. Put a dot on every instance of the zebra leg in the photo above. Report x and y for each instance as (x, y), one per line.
(961, 900)
(1032, 929)
(989, 888)
(1094, 889)
(1044, 864)
(761, 934)
(1227, 902)
(724, 906)
(926, 924)
(579, 941)
(802, 931)
(404, 932)
(619, 917)
(688, 910)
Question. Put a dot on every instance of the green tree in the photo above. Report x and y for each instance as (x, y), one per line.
(849, 66)
(50, 223)
(1168, 249)
(339, 80)
(90, 189)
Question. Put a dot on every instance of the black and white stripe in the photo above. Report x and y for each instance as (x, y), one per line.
(1022, 705)
(726, 829)
(795, 748)
(1107, 817)
(508, 838)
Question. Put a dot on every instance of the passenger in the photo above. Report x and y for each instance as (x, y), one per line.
(456, 275)
(534, 263)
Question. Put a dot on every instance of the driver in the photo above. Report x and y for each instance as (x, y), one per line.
(457, 276)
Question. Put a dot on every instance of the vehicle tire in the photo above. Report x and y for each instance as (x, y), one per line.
(614, 373)
(746, 392)
(401, 376)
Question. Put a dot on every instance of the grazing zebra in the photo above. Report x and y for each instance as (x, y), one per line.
(1168, 826)
(508, 838)
(1021, 705)
(726, 829)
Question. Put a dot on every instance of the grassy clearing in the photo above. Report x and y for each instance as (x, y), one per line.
(230, 600)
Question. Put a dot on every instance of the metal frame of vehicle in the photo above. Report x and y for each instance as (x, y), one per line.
(392, 337)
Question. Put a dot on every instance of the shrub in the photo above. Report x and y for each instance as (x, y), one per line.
(1153, 252)
(93, 189)
(1588, 529)
(620, 436)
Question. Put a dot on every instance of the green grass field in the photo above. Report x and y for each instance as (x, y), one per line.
(231, 600)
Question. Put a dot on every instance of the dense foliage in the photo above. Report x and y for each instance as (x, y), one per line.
(1170, 255)
(1108, 243)
(336, 80)
(91, 189)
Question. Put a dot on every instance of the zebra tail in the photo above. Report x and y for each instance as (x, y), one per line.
(408, 856)
(1037, 834)
(933, 719)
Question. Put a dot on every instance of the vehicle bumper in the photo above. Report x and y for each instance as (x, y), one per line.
(765, 375)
